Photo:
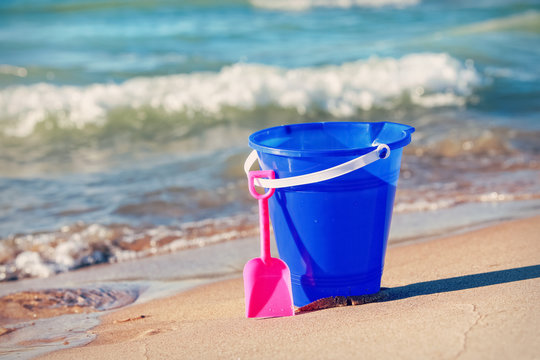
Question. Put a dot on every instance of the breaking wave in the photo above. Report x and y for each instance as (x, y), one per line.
(425, 80)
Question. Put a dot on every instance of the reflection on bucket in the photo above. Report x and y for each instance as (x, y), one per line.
(333, 233)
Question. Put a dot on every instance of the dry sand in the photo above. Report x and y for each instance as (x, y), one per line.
(470, 296)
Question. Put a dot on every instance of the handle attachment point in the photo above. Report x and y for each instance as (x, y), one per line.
(383, 150)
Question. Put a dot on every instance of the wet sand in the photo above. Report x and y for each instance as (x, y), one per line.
(473, 295)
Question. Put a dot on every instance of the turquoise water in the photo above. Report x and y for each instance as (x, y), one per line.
(124, 124)
(81, 43)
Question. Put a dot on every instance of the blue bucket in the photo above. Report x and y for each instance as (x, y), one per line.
(333, 233)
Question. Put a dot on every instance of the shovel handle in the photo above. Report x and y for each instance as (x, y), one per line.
(268, 174)
(264, 221)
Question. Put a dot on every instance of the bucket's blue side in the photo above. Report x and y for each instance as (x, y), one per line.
(333, 234)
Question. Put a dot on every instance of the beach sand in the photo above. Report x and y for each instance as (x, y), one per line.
(474, 295)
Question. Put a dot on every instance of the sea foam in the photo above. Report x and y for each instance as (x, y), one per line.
(72, 247)
(426, 80)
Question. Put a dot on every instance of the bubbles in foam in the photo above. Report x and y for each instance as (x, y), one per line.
(48, 253)
(428, 80)
(32, 265)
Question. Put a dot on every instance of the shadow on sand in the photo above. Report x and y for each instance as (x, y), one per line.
(429, 287)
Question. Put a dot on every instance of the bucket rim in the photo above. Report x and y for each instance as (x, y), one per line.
(407, 130)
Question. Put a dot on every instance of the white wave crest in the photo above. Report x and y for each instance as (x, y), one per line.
(429, 80)
(299, 5)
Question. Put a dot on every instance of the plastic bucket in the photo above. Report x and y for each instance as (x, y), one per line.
(333, 233)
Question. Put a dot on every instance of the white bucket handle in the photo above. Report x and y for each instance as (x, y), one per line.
(381, 152)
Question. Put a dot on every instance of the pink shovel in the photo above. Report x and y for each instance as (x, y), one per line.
(267, 280)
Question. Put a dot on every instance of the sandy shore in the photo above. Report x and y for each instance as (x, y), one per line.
(474, 296)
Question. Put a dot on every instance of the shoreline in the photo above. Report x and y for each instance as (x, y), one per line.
(406, 228)
(479, 286)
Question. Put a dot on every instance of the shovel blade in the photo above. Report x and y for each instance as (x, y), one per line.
(267, 288)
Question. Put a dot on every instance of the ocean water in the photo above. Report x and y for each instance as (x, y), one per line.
(124, 124)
